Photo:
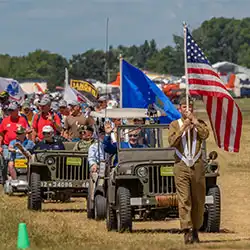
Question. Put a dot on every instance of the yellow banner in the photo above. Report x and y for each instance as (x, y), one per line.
(81, 85)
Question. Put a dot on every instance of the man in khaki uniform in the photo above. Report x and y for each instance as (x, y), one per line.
(189, 171)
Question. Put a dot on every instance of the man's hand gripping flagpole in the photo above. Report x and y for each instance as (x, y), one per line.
(190, 156)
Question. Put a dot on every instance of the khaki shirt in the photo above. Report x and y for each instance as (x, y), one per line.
(71, 124)
(175, 136)
(83, 145)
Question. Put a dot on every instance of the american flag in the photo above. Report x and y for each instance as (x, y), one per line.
(224, 114)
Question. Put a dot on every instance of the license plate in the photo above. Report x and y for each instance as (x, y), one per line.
(74, 161)
(167, 171)
(56, 184)
(21, 163)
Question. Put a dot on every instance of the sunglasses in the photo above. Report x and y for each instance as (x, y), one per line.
(47, 133)
(130, 136)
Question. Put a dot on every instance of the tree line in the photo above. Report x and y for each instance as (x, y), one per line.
(221, 39)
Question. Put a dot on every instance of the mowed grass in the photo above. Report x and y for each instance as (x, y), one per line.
(65, 226)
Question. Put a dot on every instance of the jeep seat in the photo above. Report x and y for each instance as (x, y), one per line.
(69, 145)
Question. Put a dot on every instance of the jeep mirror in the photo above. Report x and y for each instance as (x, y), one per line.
(213, 155)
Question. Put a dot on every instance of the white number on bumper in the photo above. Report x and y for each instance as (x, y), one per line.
(55, 184)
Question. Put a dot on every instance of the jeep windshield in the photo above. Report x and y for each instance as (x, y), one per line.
(143, 137)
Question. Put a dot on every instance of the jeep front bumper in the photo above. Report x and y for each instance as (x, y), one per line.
(152, 201)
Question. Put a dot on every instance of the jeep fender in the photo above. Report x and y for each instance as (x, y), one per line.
(35, 167)
(99, 190)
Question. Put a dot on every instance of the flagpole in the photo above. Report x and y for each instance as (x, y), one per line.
(66, 80)
(120, 58)
(187, 84)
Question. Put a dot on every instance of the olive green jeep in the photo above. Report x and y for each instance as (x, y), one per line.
(141, 185)
(57, 175)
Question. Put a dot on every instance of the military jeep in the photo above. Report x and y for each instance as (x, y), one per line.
(142, 183)
(57, 176)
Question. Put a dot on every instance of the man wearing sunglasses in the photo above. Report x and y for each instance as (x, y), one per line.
(15, 153)
(86, 138)
(111, 148)
(49, 142)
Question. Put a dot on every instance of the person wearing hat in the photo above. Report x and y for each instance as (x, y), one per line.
(189, 171)
(49, 140)
(102, 102)
(4, 102)
(8, 128)
(75, 119)
(86, 138)
(45, 117)
(27, 111)
(63, 111)
(19, 148)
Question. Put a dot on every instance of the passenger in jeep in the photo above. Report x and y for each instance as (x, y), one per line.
(111, 148)
(86, 138)
(49, 142)
(21, 143)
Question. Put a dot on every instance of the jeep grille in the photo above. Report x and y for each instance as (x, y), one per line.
(70, 172)
(160, 185)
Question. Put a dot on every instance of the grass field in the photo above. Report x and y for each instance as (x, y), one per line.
(65, 226)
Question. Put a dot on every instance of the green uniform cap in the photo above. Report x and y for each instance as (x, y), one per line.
(183, 100)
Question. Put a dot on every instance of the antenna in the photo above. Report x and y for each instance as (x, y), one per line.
(107, 60)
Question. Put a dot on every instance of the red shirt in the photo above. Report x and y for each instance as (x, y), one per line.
(43, 121)
(8, 128)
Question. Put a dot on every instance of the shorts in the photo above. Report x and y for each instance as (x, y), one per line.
(6, 153)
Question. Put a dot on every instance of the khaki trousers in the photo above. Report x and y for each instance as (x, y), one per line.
(191, 193)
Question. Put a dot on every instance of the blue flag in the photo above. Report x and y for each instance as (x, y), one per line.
(138, 91)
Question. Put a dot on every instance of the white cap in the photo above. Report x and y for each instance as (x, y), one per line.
(48, 129)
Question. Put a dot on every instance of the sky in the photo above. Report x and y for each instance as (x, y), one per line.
(73, 26)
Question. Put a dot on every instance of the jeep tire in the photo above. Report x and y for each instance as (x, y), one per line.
(100, 207)
(124, 213)
(212, 215)
(34, 196)
(111, 219)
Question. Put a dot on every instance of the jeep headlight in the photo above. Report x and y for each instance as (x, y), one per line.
(50, 161)
(142, 172)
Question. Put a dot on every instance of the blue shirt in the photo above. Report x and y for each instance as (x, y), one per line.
(111, 148)
(93, 153)
(55, 145)
(27, 144)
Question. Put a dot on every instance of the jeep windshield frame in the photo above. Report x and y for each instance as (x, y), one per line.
(160, 140)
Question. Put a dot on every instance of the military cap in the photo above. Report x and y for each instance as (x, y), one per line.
(183, 100)
(85, 127)
(20, 130)
(13, 106)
